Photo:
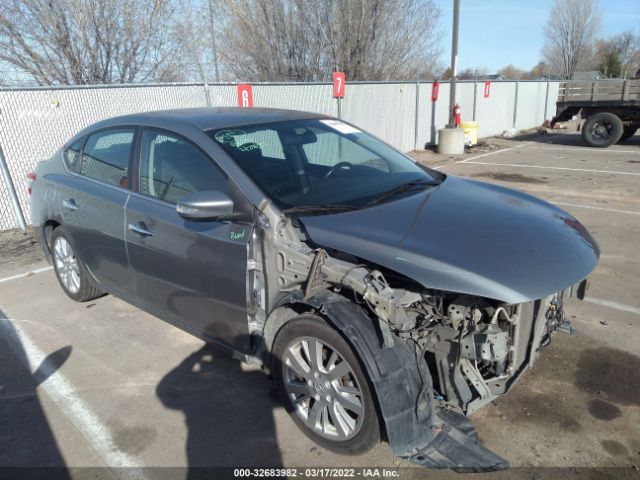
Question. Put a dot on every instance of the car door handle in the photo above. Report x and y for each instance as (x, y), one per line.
(70, 204)
(141, 230)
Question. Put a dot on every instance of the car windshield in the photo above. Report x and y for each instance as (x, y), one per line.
(322, 164)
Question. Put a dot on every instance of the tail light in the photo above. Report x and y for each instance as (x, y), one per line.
(31, 176)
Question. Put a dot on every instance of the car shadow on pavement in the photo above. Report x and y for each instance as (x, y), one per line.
(228, 411)
(26, 439)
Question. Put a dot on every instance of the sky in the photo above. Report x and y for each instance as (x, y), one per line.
(496, 33)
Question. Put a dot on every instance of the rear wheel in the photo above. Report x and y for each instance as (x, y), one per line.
(602, 130)
(627, 133)
(324, 387)
(71, 273)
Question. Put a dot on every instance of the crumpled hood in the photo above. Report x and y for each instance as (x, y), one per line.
(468, 237)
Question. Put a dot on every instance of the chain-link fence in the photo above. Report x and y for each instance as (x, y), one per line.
(35, 122)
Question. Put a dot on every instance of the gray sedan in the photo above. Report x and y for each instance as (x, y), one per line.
(383, 297)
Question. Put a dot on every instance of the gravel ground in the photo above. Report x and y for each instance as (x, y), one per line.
(18, 249)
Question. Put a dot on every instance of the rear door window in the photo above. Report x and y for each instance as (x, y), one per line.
(105, 156)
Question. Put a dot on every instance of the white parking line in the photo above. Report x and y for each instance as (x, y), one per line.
(589, 170)
(482, 155)
(494, 152)
(585, 149)
(64, 395)
(614, 305)
(25, 274)
(591, 207)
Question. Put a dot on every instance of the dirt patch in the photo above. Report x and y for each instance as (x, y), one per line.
(510, 177)
(133, 439)
(527, 407)
(603, 410)
(19, 248)
(633, 161)
(610, 373)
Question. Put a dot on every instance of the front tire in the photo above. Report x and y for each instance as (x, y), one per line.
(71, 273)
(602, 130)
(323, 386)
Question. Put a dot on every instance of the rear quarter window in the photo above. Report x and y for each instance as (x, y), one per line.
(71, 155)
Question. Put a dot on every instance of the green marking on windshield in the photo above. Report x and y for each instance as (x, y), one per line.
(237, 235)
(402, 259)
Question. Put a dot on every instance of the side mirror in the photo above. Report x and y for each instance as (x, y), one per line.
(206, 205)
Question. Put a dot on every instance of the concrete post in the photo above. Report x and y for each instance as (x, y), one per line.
(454, 62)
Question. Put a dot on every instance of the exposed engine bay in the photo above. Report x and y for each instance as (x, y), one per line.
(473, 348)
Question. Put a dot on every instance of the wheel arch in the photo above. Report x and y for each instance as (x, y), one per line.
(43, 235)
(401, 383)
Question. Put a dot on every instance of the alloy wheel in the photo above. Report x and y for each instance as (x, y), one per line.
(66, 265)
(323, 388)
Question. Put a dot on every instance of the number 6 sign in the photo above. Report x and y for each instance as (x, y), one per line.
(245, 95)
(338, 85)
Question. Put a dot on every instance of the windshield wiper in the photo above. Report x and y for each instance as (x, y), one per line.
(320, 208)
(405, 187)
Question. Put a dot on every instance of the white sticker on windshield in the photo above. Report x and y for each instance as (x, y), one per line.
(340, 126)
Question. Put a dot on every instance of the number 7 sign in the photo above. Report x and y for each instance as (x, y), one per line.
(338, 85)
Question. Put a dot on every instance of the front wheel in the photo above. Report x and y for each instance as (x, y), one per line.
(323, 386)
(72, 274)
(602, 130)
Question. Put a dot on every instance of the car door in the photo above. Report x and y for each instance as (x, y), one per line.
(92, 201)
(191, 273)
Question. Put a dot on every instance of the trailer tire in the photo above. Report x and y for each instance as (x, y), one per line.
(602, 130)
(627, 133)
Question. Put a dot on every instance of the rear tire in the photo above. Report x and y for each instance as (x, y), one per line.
(627, 133)
(602, 130)
(331, 399)
(70, 271)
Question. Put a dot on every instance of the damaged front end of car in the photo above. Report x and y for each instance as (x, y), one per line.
(434, 356)
(455, 353)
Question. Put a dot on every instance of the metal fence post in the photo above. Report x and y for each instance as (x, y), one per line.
(417, 119)
(546, 101)
(8, 183)
(475, 95)
(207, 95)
(515, 105)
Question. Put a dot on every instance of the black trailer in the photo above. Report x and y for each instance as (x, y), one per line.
(609, 109)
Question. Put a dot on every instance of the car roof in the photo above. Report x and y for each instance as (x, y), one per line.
(211, 118)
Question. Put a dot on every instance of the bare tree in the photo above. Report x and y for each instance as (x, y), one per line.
(622, 50)
(511, 72)
(307, 39)
(541, 70)
(570, 31)
(197, 25)
(89, 41)
(269, 40)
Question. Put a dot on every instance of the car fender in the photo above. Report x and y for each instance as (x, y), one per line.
(417, 431)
